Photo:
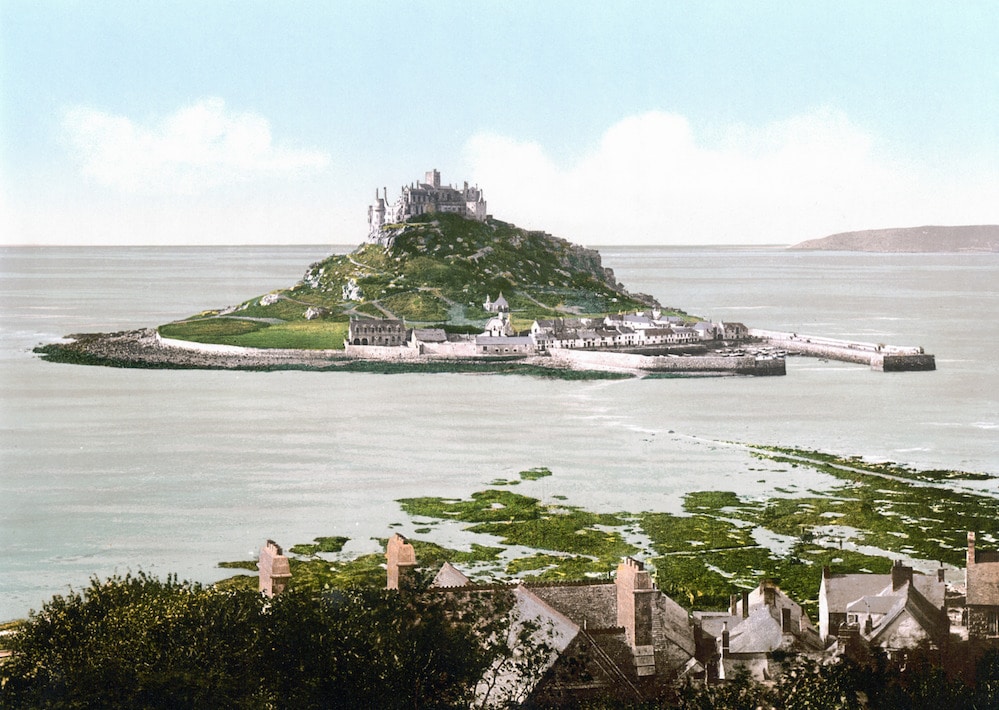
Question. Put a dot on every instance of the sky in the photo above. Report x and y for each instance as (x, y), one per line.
(673, 123)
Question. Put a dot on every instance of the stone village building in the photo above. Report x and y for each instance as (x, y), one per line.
(376, 331)
(892, 611)
(620, 637)
(759, 631)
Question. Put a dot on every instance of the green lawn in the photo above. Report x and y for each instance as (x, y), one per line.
(299, 335)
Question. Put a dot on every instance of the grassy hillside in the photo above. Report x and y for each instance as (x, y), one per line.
(436, 269)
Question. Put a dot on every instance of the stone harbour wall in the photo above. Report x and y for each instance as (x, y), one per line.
(744, 365)
(887, 358)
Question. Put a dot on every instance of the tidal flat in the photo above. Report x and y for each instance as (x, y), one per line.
(721, 542)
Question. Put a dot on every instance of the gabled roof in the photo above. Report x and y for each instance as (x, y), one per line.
(930, 619)
(450, 576)
(551, 627)
(758, 633)
(877, 604)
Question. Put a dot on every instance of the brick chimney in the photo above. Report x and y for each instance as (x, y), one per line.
(400, 562)
(745, 603)
(900, 575)
(971, 549)
(769, 589)
(274, 569)
(635, 601)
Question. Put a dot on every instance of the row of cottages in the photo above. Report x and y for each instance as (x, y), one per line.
(624, 638)
(622, 330)
(499, 337)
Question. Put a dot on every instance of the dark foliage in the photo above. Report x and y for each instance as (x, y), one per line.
(138, 642)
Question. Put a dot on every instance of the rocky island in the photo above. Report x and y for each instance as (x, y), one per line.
(441, 285)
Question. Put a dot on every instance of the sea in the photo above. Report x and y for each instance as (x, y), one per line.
(108, 471)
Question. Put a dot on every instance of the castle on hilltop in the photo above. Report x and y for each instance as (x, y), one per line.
(422, 197)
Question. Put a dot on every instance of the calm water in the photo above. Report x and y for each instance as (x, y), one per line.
(108, 470)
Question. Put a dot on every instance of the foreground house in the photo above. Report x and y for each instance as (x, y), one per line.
(620, 639)
(757, 633)
(982, 592)
(891, 611)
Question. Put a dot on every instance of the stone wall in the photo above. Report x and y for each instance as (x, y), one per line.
(888, 358)
(461, 349)
(378, 352)
(745, 365)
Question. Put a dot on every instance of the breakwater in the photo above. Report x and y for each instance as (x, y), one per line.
(887, 358)
(706, 365)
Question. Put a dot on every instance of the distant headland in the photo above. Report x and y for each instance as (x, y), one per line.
(441, 285)
(971, 238)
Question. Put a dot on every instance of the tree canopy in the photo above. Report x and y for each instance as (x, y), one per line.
(139, 642)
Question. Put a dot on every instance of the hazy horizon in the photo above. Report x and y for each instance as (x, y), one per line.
(763, 123)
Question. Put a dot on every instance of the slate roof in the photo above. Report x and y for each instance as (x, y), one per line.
(841, 589)
(872, 604)
(594, 605)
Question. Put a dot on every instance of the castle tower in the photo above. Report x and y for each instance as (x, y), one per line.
(433, 178)
(376, 212)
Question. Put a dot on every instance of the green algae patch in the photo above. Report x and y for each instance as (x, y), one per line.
(685, 533)
(705, 581)
(240, 564)
(534, 474)
(521, 520)
(432, 555)
(703, 555)
(910, 515)
(557, 568)
(320, 544)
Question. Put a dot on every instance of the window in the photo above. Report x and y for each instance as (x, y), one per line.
(992, 623)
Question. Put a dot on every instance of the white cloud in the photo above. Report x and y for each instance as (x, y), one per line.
(197, 148)
(650, 180)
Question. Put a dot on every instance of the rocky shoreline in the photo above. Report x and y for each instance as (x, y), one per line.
(145, 349)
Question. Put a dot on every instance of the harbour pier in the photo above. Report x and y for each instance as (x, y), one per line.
(886, 358)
